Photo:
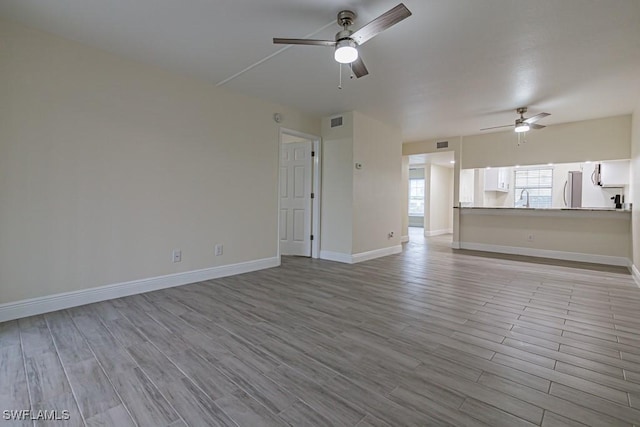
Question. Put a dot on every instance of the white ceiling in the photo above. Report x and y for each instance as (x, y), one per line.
(452, 68)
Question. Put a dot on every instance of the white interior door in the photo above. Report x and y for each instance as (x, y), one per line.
(295, 198)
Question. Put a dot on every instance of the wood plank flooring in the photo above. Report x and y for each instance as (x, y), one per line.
(426, 337)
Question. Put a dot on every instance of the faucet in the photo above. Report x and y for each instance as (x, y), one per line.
(526, 205)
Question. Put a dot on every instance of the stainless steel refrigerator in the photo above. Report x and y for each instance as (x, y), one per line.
(573, 190)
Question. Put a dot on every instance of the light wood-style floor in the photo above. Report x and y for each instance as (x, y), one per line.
(427, 337)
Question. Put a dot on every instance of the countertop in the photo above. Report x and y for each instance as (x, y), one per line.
(545, 209)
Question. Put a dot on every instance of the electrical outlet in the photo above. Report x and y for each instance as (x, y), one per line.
(177, 255)
(530, 238)
(218, 249)
(390, 235)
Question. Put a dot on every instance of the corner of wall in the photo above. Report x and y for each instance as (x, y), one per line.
(634, 190)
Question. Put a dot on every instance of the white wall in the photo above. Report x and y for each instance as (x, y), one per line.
(377, 187)
(107, 165)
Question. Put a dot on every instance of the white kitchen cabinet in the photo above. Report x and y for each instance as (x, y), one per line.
(496, 179)
(614, 174)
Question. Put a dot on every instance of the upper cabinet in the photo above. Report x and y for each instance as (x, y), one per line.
(614, 174)
(496, 179)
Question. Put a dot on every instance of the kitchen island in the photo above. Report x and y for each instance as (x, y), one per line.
(595, 235)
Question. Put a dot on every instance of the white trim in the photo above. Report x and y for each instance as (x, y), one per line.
(377, 253)
(545, 253)
(316, 145)
(33, 306)
(635, 273)
(317, 190)
(437, 232)
(455, 245)
(362, 256)
(404, 239)
(336, 256)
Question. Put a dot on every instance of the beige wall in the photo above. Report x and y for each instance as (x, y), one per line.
(361, 206)
(337, 185)
(107, 165)
(426, 220)
(608, 235)
(634, 189)
(440, 205)
(404, 202)
(377, 187)
(600, 139)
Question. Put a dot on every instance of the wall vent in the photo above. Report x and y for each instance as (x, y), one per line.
(336, 121)
(442, 144)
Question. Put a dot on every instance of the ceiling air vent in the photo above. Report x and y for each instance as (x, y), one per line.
(442, 144)
(336, 121)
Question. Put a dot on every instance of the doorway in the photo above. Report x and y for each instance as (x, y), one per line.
(299, 194)
(431, 188)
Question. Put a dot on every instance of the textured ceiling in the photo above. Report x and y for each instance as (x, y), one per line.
(452, 68)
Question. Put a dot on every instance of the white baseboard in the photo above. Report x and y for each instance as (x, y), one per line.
(437, 232)
(335, 256)
(363, 256)
(455, 245)
(635, 273)
(40, 305)
(366, 256)
(545, 253)
(404, 239)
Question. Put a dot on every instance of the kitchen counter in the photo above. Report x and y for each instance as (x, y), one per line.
(544, 209)
(596, 235)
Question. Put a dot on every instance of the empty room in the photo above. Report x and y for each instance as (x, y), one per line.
(301, 213)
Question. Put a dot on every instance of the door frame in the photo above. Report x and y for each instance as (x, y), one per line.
(316, 187)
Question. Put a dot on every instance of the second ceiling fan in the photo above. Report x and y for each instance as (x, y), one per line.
(523, 124)
(346, 41)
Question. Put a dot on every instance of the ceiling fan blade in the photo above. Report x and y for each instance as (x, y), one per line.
(537, 117)
(498, 127)
(536, 126)
(358, 68)
(381, 23)
(310, 42)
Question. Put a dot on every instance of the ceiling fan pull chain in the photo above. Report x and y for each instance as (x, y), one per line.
(340, 81)
(351, 69)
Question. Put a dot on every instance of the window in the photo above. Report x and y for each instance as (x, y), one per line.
(416, 197)
(538, 183)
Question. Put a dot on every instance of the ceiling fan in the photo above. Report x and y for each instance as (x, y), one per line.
(522, 124)
(347, 42)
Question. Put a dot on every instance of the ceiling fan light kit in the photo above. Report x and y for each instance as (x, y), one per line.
(346, 51)
(346, 42)
(522, 127)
